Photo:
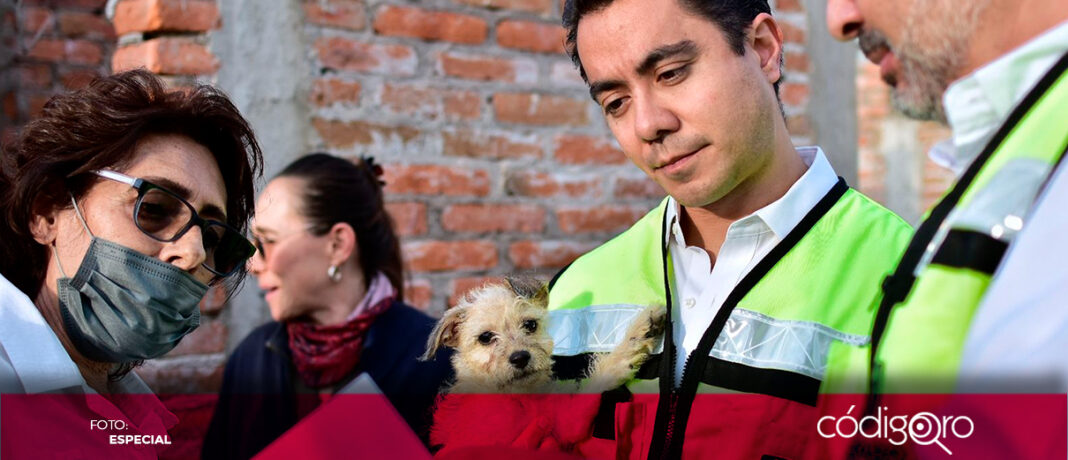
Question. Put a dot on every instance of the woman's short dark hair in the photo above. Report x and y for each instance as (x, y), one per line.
(338, 190)
(98, 128)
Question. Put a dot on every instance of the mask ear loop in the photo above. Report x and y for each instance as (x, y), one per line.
(81, 218)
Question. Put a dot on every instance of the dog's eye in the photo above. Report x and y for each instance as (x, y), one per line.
(485, 338)
(530, 326)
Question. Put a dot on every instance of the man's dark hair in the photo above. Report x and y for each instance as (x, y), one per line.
(338, 190)
(98, 128)
(733, 18)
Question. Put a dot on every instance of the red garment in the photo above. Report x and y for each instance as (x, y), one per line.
(558, 423)
(324, 355)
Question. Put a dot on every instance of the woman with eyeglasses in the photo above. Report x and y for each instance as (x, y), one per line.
(329, 265)
(119, 207)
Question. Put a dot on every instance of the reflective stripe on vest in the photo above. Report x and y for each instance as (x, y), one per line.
(930, 300)
(749, 337)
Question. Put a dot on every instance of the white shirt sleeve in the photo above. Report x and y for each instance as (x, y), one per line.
(1019, 335)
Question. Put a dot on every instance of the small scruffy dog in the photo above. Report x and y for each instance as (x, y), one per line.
(502, 343)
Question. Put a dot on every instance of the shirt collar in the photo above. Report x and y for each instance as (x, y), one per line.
(978, 103)
(39, 360)
(782, 215)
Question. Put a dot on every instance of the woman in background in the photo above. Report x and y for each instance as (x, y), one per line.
(330, 266)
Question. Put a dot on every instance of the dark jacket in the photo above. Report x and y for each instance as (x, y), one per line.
(258, 400)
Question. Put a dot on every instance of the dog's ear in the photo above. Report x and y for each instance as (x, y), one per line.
(529, 288)
(445, 333)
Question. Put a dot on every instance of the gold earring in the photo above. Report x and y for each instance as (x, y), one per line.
(334, 273)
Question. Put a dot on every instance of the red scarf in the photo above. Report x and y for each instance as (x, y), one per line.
(324, 355)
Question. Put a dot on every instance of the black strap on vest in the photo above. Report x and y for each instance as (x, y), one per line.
(673, 407)
(897, 286)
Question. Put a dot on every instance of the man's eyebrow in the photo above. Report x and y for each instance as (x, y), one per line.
(210, 211)
(664, 52)
(598, 87)
(685, 47)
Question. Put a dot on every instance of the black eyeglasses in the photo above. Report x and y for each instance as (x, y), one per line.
(165, 216)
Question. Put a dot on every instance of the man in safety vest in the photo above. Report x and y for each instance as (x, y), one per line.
(767, 261)
(995, 72)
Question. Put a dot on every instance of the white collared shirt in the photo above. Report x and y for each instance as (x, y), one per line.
(700, 288)
(1020, 329)
(977, 104)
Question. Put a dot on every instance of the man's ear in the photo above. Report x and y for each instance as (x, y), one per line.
(765, 38)
(43, 223)
(341, 243)
(446, 333)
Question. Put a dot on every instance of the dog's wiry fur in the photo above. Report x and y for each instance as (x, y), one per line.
(503, 345)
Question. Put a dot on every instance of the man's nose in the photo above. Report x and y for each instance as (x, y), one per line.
(843, 19)
(652, 119)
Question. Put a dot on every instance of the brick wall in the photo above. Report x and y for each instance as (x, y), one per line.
(48, 46)
(894, 168)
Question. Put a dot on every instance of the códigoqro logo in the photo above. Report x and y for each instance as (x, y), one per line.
(923, 428)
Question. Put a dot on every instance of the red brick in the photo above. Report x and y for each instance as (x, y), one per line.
(584, 150)
(481, 145)
(418, 293)
(540, 184)
(436, 180)
(37, 76)
(342, 134)
(531, 36)
(547, 254)
(344, 14)
(343, 54)
(47, 49)
(166, 56)
(430, 25)
(481, 218)
(539, 109)
(409, 218)
(598, 219)
(798, 62)
(84, 52)
(437, 256)
(792, 33)
(210, 337)
(165, 15)
(638, 188)
(329, 91)
(77, 78)
(795, 94)
(34, 19)
(534, 6)
(431, 102)
(462, 105)
(89, 25)
(461, 286)
(487, 68)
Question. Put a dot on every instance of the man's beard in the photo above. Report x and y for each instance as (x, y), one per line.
(932, 53)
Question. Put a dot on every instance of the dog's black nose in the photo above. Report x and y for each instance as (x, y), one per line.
(520, 359)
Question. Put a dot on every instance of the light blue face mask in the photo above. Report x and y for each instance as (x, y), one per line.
(123, 306)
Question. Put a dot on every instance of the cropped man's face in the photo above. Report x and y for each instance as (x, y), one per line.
(694, 115)
(920, 46)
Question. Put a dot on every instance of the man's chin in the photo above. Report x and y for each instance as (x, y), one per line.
(917, 105)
